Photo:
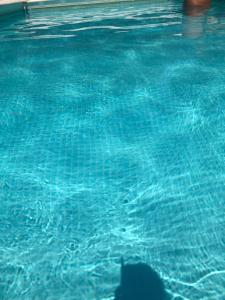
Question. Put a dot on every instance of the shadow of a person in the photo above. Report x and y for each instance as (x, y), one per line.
(139, 282)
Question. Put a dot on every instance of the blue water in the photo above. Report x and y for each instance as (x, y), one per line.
(111, 144)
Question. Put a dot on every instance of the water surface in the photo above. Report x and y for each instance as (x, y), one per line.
(111, 143)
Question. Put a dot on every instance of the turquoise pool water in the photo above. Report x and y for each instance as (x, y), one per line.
(111, 144)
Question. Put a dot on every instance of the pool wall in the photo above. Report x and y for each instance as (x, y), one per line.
(43, 4)
(8, 7)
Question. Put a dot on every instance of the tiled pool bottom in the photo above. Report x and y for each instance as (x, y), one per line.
(111, 144)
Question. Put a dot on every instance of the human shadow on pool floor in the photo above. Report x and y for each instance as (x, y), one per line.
(139, 282)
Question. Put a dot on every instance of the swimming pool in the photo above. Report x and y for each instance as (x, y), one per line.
(111, 144)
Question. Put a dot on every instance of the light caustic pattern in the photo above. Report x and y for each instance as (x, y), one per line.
(111, 144)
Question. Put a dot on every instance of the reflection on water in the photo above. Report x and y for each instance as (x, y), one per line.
(194, 19)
